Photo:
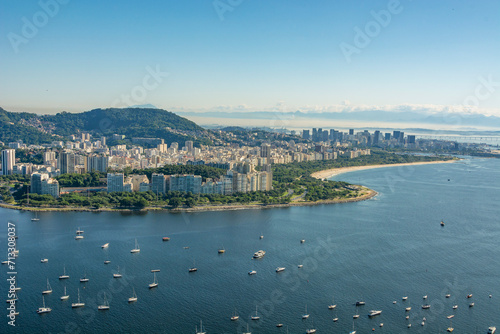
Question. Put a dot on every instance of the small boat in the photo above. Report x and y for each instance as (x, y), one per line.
(356, 316)
(302, 241)
(409, 325)
(79, 303)
(84, 278)
(261, 236)
(65, 296)
(394, 302)
(79, 237)
(450, 316)
(107, 262)
(404, 298)
(252, 272)
(35, 219)
(332, 306)
(442, 223)
(235, 316)
(310, 331)
(133, 298)
(259, 254)
(360, 303)
(300, 265)
(5, 262)
(353, 331)
(450, 329)
(106, 245)
(471, 304)
(104, 306)
(117, 274)
(381, 324)
(165, 239)
(155, 282)
(186, 247)
(279, 325)
(335, 319)
(447, 295)
(426, 306)
(193, 268)
(43, 309)
(492, 330)
(201, 329)
(221, 250)
(280, 269)
(64, 276)
(256, 316)
(455, 307)
(422, 323)
(407, 317)
(408, 309)
(424, 297)
(305, 315)
(155, 270)
(44, 260)
(49, 289)
(248, 331)
(469, 295)
(136, 249)
(374, 313)
(78, 231)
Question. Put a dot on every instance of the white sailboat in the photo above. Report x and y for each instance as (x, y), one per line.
(35, 219)
(133, 298)
(256, 316)
(64, 276)
(332, 305)
(43, 309)
(235, 316)
(117, 275)
(136, 249)
(104, 306)
(201, 329)
(84, 278)
(49, 289)
(193, 268)
(65, 296)
(106, 245)
(305, 315)
(353, 331)
(44, 260)
(248, 331)
(155, 282)
(79, 303)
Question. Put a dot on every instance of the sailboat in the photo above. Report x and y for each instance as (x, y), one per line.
(79, 304)
(117, 275)
(106, 245)
(450, 329)
(256, 316)
(311, 330)
(305, 315)
(43, 309)
(353, 331)
(221, 250)
(84, 278)
(65, 296)
(336, 317)
(136, 249)
(248, 331)
(133, 298)
(235, 316)
(35, 219)
(155, 282)
(332, 305)
(49, 289)
(193, 268)
(201, 329)
(78, 231)
(64, 276)
(105, 306)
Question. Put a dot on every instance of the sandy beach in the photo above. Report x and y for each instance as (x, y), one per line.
(327, 173)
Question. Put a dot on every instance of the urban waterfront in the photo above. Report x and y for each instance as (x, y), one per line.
(377, 251)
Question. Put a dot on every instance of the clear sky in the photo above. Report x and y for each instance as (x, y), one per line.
(248, 54)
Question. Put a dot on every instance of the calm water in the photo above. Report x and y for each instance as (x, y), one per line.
(377, 251)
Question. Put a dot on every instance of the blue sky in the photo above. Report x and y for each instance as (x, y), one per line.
(260, 55)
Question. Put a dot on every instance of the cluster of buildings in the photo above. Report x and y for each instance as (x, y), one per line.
(364, 138)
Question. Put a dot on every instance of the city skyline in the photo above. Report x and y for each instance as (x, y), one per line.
(251, 56)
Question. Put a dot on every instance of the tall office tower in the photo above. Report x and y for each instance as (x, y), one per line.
(189, 145)
(265, 151)
(66, 162)
(8, 160)
(305, 134)
(351, 132)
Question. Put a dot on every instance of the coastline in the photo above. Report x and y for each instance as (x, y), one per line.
(366, 194)
(327, 173)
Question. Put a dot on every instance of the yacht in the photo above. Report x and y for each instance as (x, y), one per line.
(302, 241)
(35, 219)
(394, 302)
(300, 265)
(43, 309)
(450, 316)
(252, 272)
(84, 278)
(447, 295)
(79, 303)
(79, 231)
(106, 245)
(64, 276)
(309, 331)
(305, 315)
(450, 329)
(105, 306)
(193, 268)
(492, 330)
(259, 254)
(136, 249)
(256, 316)
(381, 324)
(442, 223)
(409, 325)
(49, 289)
(356, 316)
(165, 239)
(469, 295)
(426, 306)
(404, 298)
(5, 262)
(424, 297)
(248, 331)
(332, 305)
(353, 331)
(65, 296)
(221, 250)
(44, 260)
(133, 298)
(471, 304)
(107, 262)
(455, 307)
(79, 237)
(279, 325)
(155, 270)
(279, 269)
(374, 313)
(155, 282)
(261, 236)
(201, 329)
(335, 319)
(360, 303)
(117, 275)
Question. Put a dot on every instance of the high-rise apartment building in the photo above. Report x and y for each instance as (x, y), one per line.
(8, 161)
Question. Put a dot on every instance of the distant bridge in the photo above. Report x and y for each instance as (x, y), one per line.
(461, 138)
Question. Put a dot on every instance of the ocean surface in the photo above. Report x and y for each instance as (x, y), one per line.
(375, 251)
